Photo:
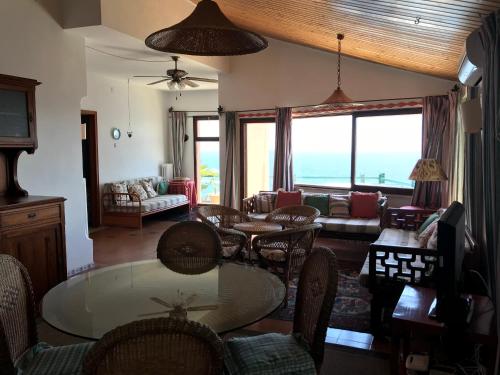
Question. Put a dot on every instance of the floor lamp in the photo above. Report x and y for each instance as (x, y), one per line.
(428, 170)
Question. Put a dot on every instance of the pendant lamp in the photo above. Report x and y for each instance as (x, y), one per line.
(206, 32)
(338, 97)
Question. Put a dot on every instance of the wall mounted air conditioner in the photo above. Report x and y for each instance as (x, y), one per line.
(471, 68)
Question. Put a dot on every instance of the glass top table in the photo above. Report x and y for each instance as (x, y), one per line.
(226, 298)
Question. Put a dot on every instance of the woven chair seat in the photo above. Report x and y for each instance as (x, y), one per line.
(277, 255)
(269, 354)
(57, 360)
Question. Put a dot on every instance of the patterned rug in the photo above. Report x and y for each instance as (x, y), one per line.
(351, 310)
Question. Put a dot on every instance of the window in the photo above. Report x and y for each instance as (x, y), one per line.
(321, 149)
(258, 139)
(387, 148)
(206, 159)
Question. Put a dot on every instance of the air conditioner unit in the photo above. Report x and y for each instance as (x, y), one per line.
(471, 68)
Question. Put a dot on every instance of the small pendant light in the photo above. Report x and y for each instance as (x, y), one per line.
(206, 32)
(338, 97)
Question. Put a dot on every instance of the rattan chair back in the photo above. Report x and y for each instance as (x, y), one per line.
(189, 247)
(221, 216)
(316, 294)
(17, 313)
(155, 347)
(293, 216)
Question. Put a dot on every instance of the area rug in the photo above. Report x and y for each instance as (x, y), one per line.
(351, 310)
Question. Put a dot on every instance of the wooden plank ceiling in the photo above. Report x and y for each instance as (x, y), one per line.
(425, 36)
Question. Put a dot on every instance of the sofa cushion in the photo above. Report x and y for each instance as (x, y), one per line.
(162, 187)
(432, 218)
(319, 201)
(264, 202)
(119, 187)
(364, 205)
(157, 203)
(397, 237)
(288, 198)
(137, 192)
(255, 216)
(339, 205)
(424, 237)
(350, 225)
(148, 186)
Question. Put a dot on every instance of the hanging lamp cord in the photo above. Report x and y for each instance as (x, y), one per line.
(339, 38)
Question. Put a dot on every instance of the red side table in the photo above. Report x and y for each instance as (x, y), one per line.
(185, 187)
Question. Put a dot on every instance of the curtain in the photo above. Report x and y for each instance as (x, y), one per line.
(456, 160)
(283, 167)
(490, 36)
(230, 193)
(439, 117)
(178, 137)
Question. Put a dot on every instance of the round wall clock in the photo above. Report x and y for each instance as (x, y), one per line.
(116, 133)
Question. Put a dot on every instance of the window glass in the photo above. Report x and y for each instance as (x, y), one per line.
(387, 148)
(207, 161)
(259, 163)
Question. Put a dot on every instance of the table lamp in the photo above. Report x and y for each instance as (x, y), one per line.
(428, 170)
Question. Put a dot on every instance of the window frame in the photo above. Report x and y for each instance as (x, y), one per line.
(197, 139)
(244, 122)
(369, 188)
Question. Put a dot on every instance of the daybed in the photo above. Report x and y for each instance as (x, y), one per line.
(127, 209)
(343, 225)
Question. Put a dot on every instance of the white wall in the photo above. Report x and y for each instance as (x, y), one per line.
(33, 45)
(142, 154)
(191, 101)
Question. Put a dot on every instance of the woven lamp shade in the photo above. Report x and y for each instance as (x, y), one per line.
(338, 98)
(427, 170)
(206, 32)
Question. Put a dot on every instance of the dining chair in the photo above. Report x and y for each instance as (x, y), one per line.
(222, 219)
(301, 352)
(157, 346)
(189, 247)
(293, 216)
(284, 252)
(20, 350)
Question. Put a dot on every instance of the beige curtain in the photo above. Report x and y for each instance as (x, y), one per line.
(456, 161)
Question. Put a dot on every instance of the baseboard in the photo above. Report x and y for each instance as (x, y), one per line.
(81, 269)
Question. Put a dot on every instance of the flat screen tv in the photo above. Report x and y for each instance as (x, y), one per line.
(450, 307)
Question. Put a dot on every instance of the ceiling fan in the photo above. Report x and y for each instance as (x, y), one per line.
(177, 78)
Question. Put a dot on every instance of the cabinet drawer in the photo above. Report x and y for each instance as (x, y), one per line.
(29, 216)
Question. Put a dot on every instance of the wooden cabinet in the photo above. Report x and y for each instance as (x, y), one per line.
(32, 230)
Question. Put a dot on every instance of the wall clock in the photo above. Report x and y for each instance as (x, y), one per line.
(116, 133)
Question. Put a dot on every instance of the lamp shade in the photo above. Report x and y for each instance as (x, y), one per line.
(338, 98)
(427, 170)
(206, 32)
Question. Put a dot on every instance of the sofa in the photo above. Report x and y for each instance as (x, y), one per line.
(342, 226)
(127, 208)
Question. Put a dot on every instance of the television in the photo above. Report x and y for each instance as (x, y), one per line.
(450, 306)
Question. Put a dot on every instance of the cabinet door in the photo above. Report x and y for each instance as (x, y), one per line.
(39, 251)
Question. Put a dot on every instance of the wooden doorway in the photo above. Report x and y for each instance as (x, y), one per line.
(90, 158)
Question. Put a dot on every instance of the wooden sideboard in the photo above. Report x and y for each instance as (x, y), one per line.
(32, 230)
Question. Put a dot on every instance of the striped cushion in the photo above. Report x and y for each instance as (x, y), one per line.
(152, 204)
(339, 205)
(59, 360)
(350, 225)
(269, 354)
(264, 203)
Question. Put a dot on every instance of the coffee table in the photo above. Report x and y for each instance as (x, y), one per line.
(251, 228)
(226, 298)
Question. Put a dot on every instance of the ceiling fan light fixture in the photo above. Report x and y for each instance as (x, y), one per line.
(206, 32)
(171, 85)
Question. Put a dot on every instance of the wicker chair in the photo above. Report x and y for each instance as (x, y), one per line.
(18, 335)
(284, 252)
(223, 218)
(276, 353)
(293, 216)
(189, 247)
(155, 347)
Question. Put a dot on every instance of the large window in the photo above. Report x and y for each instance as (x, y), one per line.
(387, 148)
(321, 149)
(258, 140)
(206, 159)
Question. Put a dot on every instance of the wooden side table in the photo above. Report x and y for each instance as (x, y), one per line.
(186, 187)
(410, 320)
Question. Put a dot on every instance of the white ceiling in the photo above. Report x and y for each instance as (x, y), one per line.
(120, 56)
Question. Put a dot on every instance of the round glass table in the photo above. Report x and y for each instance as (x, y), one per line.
(226, 298)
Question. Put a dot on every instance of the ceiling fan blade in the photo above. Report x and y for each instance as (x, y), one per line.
(202, 308)
(156, 82)
(150, 76)
(190, 83)
(210, 80)
(154, 313)
(161, 302)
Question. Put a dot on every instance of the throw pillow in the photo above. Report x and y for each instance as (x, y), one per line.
(264, 203)
(288, 198)
(364, 205)
(148, 186)
(433, 241)
(424, 237)
(137, 192)
(162, 188)
(120, 187)
(427, 222)
(339, 205)
(319, 201)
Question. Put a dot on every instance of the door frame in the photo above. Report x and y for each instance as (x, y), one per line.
(95, 195)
